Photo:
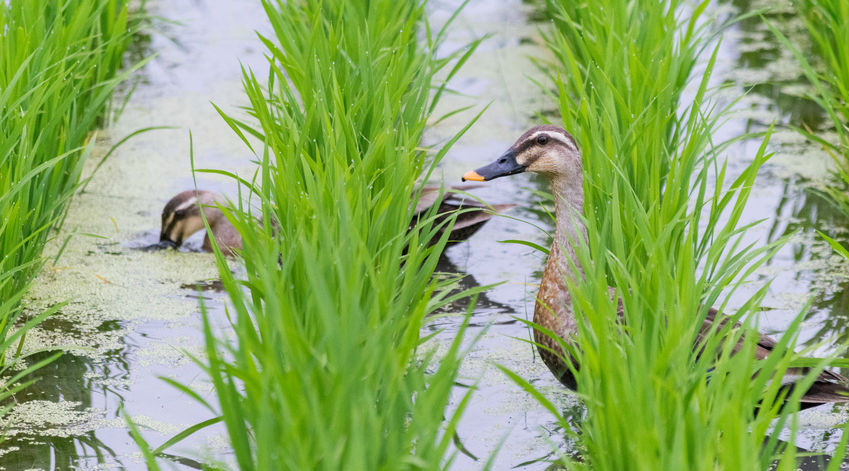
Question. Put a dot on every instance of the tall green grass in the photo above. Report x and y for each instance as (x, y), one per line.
(59, 64)
(663, 224)
(827, 23)
(325, 368)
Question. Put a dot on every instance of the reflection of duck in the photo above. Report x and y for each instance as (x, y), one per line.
(181, 216)
(552, 152)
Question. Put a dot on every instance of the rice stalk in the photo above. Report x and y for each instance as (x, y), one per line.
(325, 367)
(59, 64)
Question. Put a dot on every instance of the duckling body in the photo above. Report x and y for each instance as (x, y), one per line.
(552, 152)
(181, 217)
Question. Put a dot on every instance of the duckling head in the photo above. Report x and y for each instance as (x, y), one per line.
(548, 150)
(181, 216)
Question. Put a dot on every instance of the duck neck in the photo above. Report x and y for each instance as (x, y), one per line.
(553, 308)
(570, 229)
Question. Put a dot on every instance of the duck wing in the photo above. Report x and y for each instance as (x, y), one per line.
(430, 194)
(829, 387)
(471, 215)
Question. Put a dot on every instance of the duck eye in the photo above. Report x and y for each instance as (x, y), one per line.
(179, 213)
(542, 139)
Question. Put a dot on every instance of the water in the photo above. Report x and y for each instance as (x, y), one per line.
(128, 320)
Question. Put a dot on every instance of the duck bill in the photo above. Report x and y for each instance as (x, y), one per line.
(503, 166)
(166, 243)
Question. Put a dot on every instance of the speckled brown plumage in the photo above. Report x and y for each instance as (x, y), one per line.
(553, 153)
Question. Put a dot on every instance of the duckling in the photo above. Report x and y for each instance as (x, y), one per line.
(552, 152)
(181, 217)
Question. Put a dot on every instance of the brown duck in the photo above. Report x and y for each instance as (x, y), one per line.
(181, 216)
(553, 153)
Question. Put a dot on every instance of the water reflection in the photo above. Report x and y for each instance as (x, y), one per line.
(73, 380)
(767, 68)
(466, 282)
(55, 453)
(65, 379)
(801, 211)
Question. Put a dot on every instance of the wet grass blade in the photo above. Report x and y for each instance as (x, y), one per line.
(184, 434)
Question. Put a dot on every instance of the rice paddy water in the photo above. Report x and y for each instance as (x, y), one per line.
(828, 74)
(50, 100)
(128, 310)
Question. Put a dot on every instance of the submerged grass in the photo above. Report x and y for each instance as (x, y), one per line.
(59, 64)
(663, 224)
(325, 367)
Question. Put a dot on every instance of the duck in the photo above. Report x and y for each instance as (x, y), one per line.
(552, 152)
(181, 217)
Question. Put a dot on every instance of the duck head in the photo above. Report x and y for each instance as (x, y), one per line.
(548, 150)
(181, 216)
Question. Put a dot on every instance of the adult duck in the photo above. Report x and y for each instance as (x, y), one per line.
(552, 152)
(181, 216)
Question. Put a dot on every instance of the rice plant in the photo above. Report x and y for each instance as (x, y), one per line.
(325, 368)
(827, 23)
(663, 228)
(59, 64)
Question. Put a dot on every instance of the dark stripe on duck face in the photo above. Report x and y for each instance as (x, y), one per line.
(181, 201)
(570, 139)
(553, 132)
(524, 146)
(168, 230)
(171, 222)
(555, 136)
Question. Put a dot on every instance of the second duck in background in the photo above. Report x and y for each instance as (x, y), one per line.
(181, 217)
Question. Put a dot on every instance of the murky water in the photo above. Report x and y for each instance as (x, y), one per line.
(128, 320)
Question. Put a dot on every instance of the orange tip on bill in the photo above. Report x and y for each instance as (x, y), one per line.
(471, 175)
